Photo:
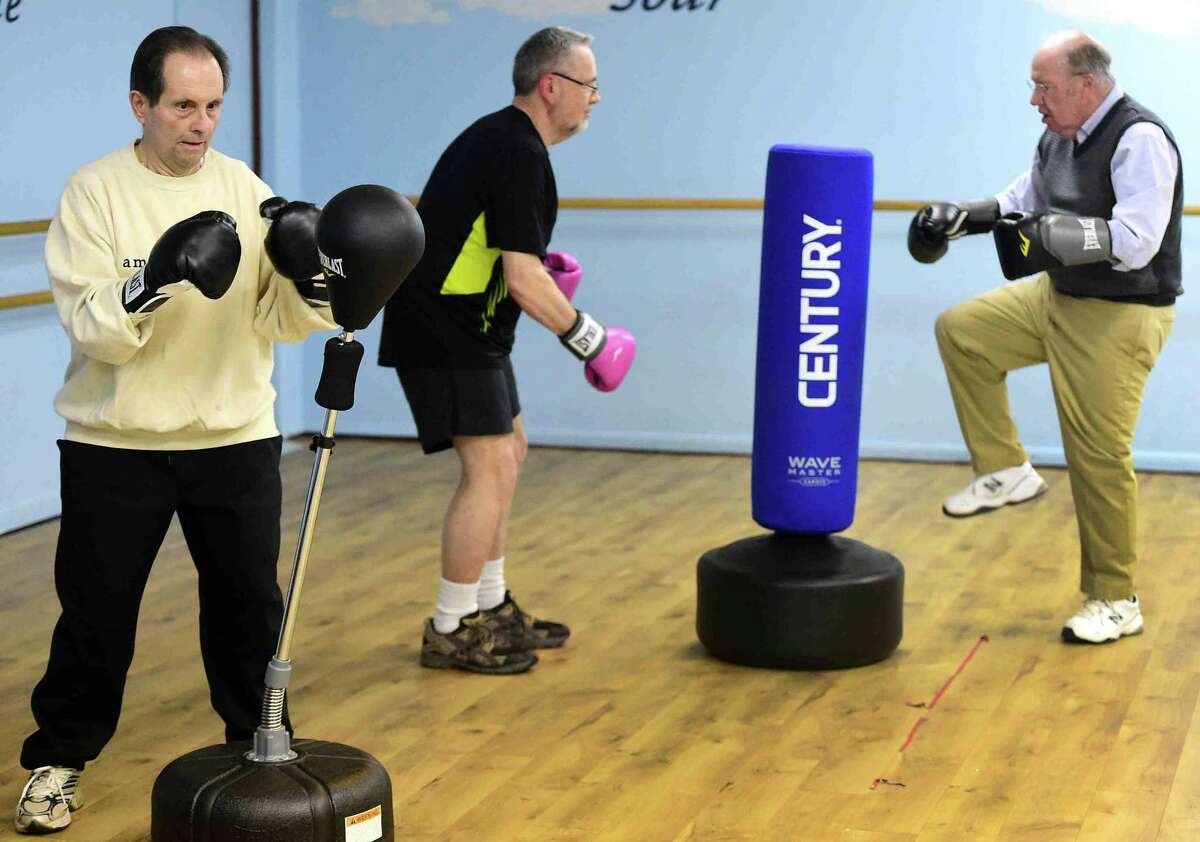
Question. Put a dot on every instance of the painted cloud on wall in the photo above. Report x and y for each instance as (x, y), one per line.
(539, 8)
(1162, 17)
(391, 12)
(394, 12)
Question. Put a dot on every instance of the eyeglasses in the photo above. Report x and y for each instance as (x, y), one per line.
(1043, 88)
(593, 88)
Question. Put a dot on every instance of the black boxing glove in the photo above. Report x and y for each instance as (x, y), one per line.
(201, 252)
(291, 245)
(937, 223)
(1034, 242)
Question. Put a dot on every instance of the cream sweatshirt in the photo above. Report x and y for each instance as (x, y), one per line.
(194, 373)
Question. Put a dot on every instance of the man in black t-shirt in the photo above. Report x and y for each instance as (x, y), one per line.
(491, 192)
(489, 209)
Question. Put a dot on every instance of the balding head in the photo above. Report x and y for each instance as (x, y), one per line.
(1080, 54)
(1070, 79)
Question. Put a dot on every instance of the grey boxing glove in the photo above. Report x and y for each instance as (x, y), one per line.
(936, 224)
(1034, 242)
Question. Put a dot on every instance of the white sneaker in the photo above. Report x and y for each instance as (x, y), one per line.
(49, 797)
(999, 488)
(1103, 621)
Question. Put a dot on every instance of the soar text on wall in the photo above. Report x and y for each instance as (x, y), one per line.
(675, 5)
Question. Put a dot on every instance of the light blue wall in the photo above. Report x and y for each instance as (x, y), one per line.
(282, 149)
(34, 356)
(692, 102)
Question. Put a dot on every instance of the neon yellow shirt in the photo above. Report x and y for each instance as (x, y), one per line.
(195, 373)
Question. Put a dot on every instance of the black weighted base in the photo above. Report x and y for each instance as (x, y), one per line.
(329, 793)
(807, 602)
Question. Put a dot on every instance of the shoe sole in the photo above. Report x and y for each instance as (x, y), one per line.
(55, 827)
(983, 510)
(45, 830)
(441, 662)
(1069, 636)
(34, 830)
(550, 643)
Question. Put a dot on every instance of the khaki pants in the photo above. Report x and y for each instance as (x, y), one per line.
(1099, 353)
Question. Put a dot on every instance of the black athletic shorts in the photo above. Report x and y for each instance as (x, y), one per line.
(463, 402)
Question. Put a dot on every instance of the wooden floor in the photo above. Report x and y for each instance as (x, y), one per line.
(631, 731)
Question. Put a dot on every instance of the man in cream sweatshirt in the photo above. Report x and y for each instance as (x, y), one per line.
(171, 304)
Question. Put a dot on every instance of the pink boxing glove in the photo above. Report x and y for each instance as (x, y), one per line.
(565, 270)
(609, 367)
(607, 354)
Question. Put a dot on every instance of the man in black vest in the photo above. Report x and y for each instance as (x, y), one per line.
(1097, 216)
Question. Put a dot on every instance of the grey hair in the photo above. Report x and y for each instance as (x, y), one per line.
(1092, 58)
(541, 53)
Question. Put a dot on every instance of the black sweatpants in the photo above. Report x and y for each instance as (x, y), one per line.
(117, 505)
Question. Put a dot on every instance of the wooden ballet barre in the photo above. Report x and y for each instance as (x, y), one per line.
(30, 226)
(34, 226)
(738, 204)
(25, 299)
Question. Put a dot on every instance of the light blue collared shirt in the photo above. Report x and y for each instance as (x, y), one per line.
(1143, 168)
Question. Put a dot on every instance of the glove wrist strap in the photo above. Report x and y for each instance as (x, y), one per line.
(142, 298)
(314, 290)
(138, 297)
(586, 337)
(1075, 240)
(981, 216)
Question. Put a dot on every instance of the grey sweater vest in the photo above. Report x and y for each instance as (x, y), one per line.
(1079, 182)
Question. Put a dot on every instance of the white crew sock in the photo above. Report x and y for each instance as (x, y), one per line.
(491, 584)
(455, 600)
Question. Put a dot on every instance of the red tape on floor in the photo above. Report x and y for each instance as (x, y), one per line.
(912, 734)
(937, 697)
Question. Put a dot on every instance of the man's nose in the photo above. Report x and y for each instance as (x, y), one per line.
(202, 122)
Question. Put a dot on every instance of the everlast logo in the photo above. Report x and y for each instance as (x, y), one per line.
(332, 265)
(819, 279)
(134, 287)
(587, 341)
(1091, 240)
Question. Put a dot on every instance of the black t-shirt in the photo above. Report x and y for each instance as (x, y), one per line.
(492, 190)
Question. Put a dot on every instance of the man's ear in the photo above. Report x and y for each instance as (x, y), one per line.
(140, 105)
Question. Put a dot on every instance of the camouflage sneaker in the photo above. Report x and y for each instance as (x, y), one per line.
(525, 629)
(49, 798)
(479, 644)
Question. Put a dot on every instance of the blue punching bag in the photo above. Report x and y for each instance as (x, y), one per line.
(812, 314)
(799, 597)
